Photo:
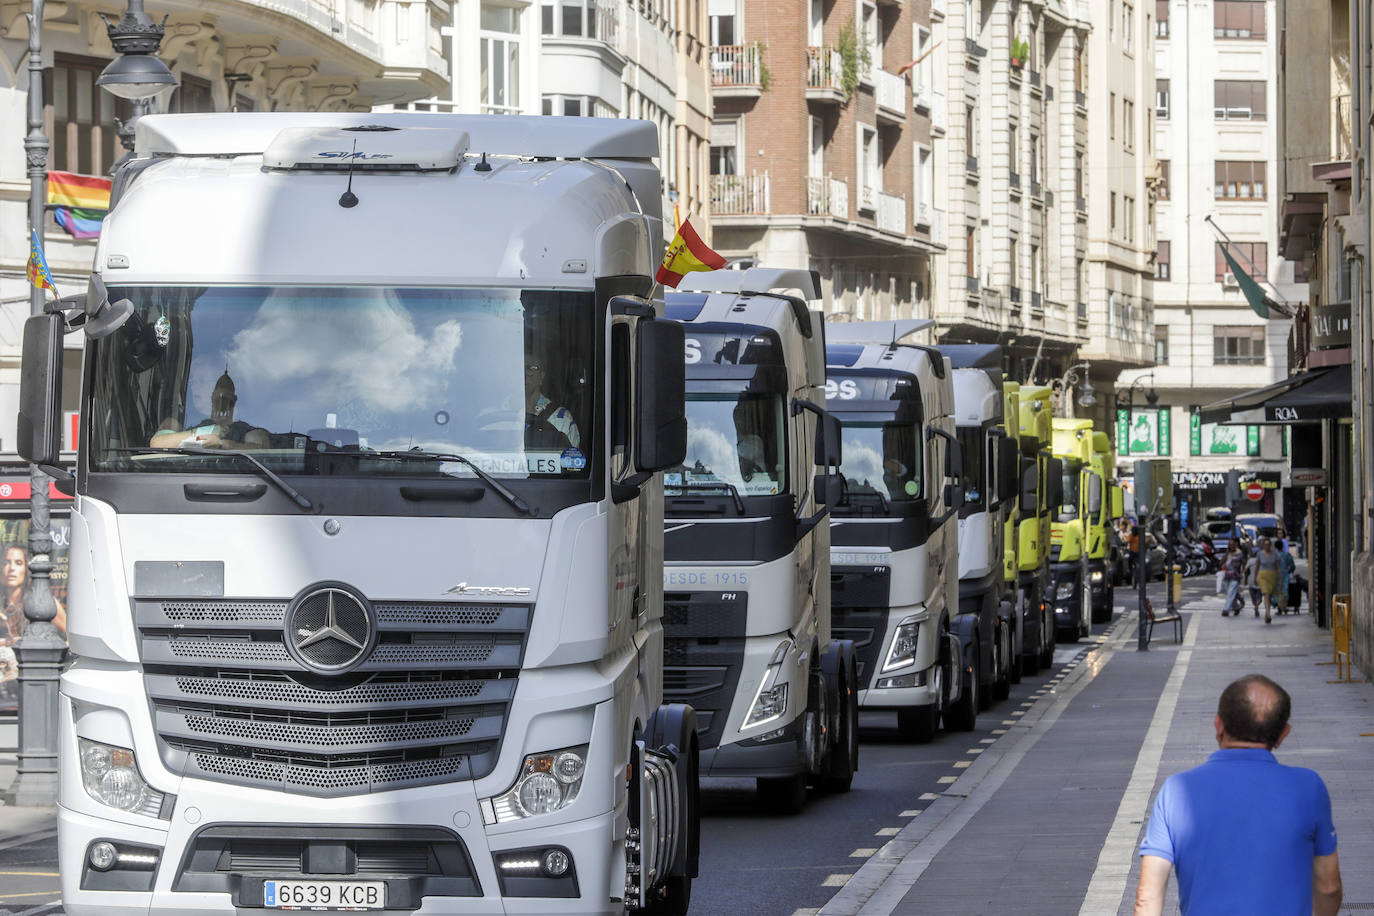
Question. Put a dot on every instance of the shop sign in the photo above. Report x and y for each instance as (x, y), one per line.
(1308, 477)
(1198, 480)
(1331, 326)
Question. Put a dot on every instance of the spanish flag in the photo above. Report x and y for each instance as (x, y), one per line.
(686, 253)
(38, 266)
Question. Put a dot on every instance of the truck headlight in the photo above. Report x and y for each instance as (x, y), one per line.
(111, 777)
(548, 782)
(770, 703)
(902, 651)
(1096, 576)
(1065, 590)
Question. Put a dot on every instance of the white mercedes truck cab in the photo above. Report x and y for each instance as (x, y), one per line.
(747, 620)
(366, 559)
(986, 621)
(894, 536)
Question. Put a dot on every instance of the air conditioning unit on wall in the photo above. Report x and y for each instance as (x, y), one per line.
(1229, 281)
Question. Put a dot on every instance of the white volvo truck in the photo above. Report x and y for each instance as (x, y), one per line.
(894, 537)
(747, 540)
(986, 621)
(366, 560)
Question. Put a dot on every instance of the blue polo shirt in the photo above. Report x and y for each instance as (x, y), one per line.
(1241, 831)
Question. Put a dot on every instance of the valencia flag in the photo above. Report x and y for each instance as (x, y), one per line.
(686, 253)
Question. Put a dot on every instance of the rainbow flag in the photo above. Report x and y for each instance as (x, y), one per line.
(88, 192)
(79, 222)
(39, 275)
(686, 253)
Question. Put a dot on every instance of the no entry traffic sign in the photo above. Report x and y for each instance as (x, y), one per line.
(1254, 492)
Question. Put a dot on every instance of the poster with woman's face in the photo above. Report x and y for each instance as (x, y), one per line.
(14, 585)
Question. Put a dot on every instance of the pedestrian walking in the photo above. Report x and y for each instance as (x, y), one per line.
(1232, 569)
(1288, 569)
(1267, 576)
(1252, 580)
(1244, 833)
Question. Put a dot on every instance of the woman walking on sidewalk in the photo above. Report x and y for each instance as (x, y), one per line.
(1231, 569)
(1267, 576)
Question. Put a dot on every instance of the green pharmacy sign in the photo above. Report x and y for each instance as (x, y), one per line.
(1216, 439)
(1143, 432)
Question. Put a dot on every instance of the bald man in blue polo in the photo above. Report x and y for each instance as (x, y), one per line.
(1246, 834)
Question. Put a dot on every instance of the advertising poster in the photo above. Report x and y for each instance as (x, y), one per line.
(14, 578)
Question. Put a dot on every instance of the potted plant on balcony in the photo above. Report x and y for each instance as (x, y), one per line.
(1020, 53)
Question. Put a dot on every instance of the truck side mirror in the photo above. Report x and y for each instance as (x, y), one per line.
(828, 441)
(40, 390)
(1118, 502)
(828, 489)
(1054, 472)
(1008, 457)
(1030, 486)
(661, 386)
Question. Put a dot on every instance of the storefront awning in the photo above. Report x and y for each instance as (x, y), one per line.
(1307, 397)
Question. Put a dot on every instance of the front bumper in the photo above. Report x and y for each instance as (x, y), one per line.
(923, 692)
(780, 755)
(1068, 610)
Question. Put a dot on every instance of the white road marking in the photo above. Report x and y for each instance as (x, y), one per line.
(998, 731)
(889, 831)
(946, 780)
(836, 880)
(863, 852)
(986, 740)
(962, 764)
(806, 911)
(975, 750)
(1108, 886)
(928, 796)
(910, 812)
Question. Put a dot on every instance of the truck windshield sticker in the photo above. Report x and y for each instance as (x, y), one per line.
(318, 380)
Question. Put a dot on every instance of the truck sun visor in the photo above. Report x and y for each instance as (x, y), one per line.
(398, 149)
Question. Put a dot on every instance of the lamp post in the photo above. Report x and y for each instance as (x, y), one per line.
(40, 649)
(135, 74)
(1087, 394)
(1142, 504)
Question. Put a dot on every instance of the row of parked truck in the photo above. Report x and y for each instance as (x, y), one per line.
(482, 556)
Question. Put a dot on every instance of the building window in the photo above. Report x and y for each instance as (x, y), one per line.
(1253, 256)
(872, 37)
(1013, 150)
(1161, 18)
(82, 116)
(1078, 175)
(723, 27)
(725, 147)
(1243, 19)
(1111, 115)
(572, 106)
(500, 44)
(1113, 207)
(1237, 346)
(1161, 345)
(1128, 124)
(1164, 179)
(1034, 159)
(1239, 180)
(1014, 268)
(1162, 99)
(1161, 263)
(1128, 27)
(571, 19)
(970, 253)
(870, 169)
(193, 95)
(1239, 100)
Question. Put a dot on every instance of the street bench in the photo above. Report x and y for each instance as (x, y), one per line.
(1151, 618)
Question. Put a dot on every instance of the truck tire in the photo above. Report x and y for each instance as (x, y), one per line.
(844, 754)
(962, 715)
(782, 795)
(1008, 670)
(1047, 653)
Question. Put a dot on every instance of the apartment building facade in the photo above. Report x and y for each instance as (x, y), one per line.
(592, 58)
(228, 55)
(824, 139)
(1123, 181)
(1011, 180)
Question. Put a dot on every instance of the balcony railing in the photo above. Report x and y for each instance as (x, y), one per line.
(736, 67)
(826, 196)
(740, 195)
(892, 213)
(1341, 145)
(890, 90)
(824, 69)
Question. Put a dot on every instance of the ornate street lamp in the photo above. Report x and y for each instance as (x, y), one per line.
(136, 73)
(1060, 387)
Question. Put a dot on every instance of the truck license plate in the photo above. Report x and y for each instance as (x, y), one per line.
(324, 895)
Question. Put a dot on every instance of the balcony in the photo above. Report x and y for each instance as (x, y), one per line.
(892, 213)
(974, 49)
(826, 196)
(890, 91)
(740, 195)
(1341, 129)
(824, 68)
(736, 72)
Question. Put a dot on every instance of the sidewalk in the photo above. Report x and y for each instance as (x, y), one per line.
(1048, 818)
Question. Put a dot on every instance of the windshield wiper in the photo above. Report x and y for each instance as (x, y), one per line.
(706, 487)
(416, 454)
(263, 470)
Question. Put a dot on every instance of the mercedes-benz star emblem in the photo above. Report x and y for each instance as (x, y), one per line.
(330, 628)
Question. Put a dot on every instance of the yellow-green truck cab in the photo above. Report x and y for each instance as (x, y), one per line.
(1104, 509)
(1011, 567)
(1073, 446)
(1039, 498)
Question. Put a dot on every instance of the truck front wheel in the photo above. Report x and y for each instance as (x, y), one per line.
(844, 754)
(963, 715)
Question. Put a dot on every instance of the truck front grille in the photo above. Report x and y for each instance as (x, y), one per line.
(703, 653)
(859, 597)
(428, 704)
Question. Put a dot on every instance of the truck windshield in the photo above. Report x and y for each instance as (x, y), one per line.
(974, 480)
(291, 374)
(1068, 503)
(734, 440)
(882, 460)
